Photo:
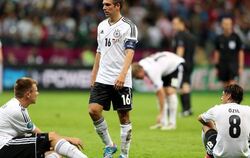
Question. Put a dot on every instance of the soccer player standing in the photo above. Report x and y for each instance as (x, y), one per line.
(229, 56)
(226, 126)
(184, 46)
(19, 137)
(165, 70)
(111, 75)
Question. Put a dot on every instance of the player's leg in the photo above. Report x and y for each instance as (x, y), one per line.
(186, 99)
(52, 154)
(122, 102)
(172, 101)
(100, 98)
(185, 95)
(224, 74)
(125, 132)
(210, 135)
(101, 127)
(233, 75)
(171, 96)
(59, 144)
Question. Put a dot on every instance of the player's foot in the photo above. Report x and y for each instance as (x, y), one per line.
(169, 127)
(156, 126)
(186, 113)
(109, 151)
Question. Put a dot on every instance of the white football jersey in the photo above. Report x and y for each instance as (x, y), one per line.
(160, 64)
(111, 46)
(14, 121)
(232, 123)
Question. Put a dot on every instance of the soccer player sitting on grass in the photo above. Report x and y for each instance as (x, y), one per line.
(19, 137)
(226, 126)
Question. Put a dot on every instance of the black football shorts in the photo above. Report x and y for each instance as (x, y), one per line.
(33, 146)
(105, 94)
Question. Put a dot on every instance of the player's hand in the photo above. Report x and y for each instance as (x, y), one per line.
(240, 71)
(77, 142)
(216, 72)
(159, 118)
(119, 82)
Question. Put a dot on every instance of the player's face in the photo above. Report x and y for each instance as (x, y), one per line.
(109, 8)
(225, 98)
(140, 75)
(227, 24)
(32, 94)
(176, 24)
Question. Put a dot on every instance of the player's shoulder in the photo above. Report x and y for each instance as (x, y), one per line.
(127, 22)
(103, 23)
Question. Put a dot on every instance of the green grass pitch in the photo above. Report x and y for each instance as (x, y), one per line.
(67, 114)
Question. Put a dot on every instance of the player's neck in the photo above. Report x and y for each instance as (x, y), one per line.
(115, 19)
(23, 102)
(227, 33)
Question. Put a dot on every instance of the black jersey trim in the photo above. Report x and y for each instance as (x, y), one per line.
(132, 26)
(25, 117)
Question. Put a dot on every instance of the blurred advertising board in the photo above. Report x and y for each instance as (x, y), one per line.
(78, 78)
(49, 77)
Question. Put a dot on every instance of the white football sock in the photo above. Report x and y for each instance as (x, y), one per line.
(64, 148)
(203, 137)
(164, 119)
(126, 133)
(172, 103)
(53, 155)
(101, 128)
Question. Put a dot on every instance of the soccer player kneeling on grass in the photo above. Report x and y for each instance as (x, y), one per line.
(226, 126)
(19, 137)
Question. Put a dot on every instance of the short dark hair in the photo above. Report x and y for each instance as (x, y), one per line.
(235, 91)
(136, 68)
(22, 86)
(119, 1)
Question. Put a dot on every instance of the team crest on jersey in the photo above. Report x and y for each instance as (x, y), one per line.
(30, 125)
(232, 44)
(117, 33)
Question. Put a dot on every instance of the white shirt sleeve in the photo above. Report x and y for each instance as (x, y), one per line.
(132, 33)
(209, 115)
(155, 77)
(98, 40)
(21, 122)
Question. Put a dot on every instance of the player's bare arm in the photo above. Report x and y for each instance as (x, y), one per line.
(95, 68)
(37, 130)
(180, 51)
(161, 99)
(210, 124)
(128, 60)
(241, 61)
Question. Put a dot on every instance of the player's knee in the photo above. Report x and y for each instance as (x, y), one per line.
(53, 136)
(95, 112)
(186, 88)
(170, 91)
